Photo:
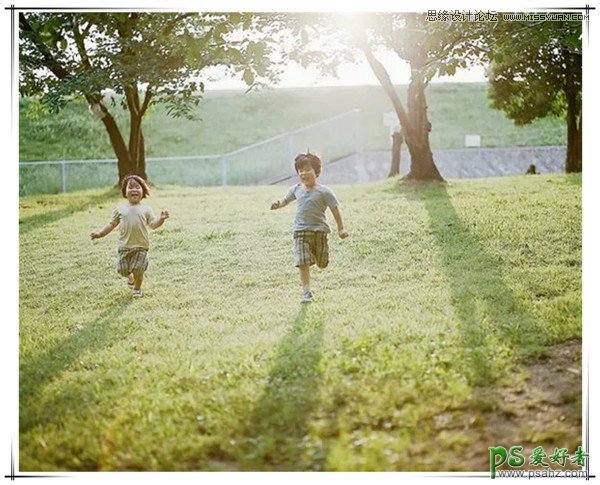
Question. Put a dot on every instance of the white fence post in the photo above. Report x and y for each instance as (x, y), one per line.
(63, 174)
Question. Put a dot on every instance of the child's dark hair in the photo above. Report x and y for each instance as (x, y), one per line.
(308, 158)
(139, 180)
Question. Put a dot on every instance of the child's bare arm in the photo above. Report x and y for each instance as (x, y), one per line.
(164, 215)
(340, 224)
(104, 231)
(278, 204)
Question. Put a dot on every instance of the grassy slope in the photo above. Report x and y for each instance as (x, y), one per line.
(231, 121)
(438, 296)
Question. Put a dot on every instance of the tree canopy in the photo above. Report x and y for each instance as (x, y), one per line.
(143, 57)
(430, 48)
(536, 72)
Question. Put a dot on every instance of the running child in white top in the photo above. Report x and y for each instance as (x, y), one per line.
(132, 219)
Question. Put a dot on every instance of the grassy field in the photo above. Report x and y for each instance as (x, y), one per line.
(439, 329)
(232, 120)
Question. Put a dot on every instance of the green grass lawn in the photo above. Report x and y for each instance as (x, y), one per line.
(229, 121)
(441, 303)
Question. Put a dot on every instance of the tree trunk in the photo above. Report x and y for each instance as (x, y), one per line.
(572, 90)
(141, 165)
(137, 148)
(573, 160)
(579, 145)
(397, 140)
(118, 144)
(422, 166)
(136, 137)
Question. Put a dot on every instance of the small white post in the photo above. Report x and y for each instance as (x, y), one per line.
(472, 141)
(63, 174)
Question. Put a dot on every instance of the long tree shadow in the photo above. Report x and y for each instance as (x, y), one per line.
(275, 438)
(489, 312)
(39, 370)
(36, 221)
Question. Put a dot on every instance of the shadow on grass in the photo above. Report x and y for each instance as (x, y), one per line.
(40, 370)
(488, 310)
(276, 436)
(36, 221)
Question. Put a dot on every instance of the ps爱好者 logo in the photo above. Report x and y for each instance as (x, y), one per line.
(515, 458)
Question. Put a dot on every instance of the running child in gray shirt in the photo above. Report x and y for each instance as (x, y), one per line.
(310, 224)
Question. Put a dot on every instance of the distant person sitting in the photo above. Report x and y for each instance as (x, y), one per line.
(531, 170)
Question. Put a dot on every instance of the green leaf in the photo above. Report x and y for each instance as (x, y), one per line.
(248, 77)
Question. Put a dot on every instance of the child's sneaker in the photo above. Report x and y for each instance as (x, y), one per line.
(137, 293)
(307, 297)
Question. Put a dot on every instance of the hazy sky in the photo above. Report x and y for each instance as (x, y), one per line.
(349, 74)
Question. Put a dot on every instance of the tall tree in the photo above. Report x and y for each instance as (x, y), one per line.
(145, 58)
(536, 72)
(430, 47)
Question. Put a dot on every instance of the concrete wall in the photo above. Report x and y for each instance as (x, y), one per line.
(457, 163)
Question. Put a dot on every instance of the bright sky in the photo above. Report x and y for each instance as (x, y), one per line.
(348, 75)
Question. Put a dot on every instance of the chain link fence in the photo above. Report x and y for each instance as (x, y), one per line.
(332, 138)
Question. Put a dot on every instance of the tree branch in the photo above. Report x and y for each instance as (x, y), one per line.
(130, 97)
(169, 26)
(147, 98)
(49, 60)
(385, 81)
(79, 42)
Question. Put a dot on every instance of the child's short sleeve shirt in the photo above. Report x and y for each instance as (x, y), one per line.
(311, 206)
(133, 221)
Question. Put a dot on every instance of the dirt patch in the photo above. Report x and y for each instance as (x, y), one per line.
(543, 408)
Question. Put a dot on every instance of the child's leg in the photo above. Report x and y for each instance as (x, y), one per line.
(138, 279)
(130, 279)
(303, 257)
(321, 250)
(139, 264)
(305, 277)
